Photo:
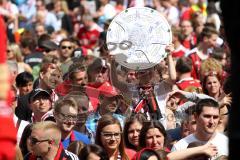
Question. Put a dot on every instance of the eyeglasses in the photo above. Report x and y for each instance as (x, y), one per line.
(66, 47)
(68, 117)
(108, 135)
(34, 141)
(46, 50)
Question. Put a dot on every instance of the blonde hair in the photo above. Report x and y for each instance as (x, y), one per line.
(210, 65)
(16, 51)
(47, 126)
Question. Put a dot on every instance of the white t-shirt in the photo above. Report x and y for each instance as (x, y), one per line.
(219, 140)
(21, 127)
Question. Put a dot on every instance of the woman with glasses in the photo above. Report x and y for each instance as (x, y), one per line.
(109, 136)
(132, 128)
(66, 116)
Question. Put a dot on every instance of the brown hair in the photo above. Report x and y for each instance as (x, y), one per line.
(69, 101)
(76, 147)
(149, 125)
(134, 118)
(105, 121)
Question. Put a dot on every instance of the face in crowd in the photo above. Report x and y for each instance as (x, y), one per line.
(66, 118)
(212, 85)
(187, 28)
(40, 104)
(134, 132)
(51, 77)
(80, 78)
(39, 142)
(154, 139)
(25, 89)
(207, 121)
(109, 103)
(66, 49)
(111, 137)
(100, 75)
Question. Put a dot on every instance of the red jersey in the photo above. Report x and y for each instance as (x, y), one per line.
(94, 91)
(89, 37)
(191, 42)
(196, 61)
(179, 52)
(188, 83)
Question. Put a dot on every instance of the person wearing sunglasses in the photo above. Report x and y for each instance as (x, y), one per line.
(65, 51)
(98, 80)
(66, 116)
(45, 141)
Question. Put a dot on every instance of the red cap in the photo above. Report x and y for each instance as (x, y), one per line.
(108, 90)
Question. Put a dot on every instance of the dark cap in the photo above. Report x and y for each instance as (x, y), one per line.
(49, 45)
(97, 63)
(37, 92)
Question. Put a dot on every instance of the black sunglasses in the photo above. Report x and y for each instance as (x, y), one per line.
(68, 47)
(35, 140)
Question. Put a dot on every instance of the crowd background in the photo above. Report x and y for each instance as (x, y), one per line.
(71, 99)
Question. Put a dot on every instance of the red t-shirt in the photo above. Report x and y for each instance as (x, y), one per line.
(89, 38)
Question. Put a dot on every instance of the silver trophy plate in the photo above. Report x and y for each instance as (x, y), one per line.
(137, 37)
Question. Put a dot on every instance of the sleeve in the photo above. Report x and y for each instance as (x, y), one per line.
(194, 97)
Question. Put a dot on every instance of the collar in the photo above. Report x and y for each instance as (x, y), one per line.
(185, 79)
(72, 137)
(60, 153)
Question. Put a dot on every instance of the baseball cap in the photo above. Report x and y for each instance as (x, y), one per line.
(97, 63)
(48, 45)
(37, 92)
(109, 91)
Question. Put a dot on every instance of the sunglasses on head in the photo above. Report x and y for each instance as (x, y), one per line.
(66, 47)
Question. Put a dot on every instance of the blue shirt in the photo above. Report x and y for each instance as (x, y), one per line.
(78, 137)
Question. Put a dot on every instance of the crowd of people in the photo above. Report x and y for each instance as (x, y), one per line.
(71, 99)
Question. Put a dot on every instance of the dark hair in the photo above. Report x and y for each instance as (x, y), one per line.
(162, 154)
(184, 65)
(76, 147)
(76, 67)
(43, 38)
(23, 141)
(149, 125)
(207, 31)
(93, 148)
(104, 121)
(23, 79)
(133, 118)
(199, 156)
(29, 42)
(208, 102)
(218, 53)
(65, 40)
(146, 153)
